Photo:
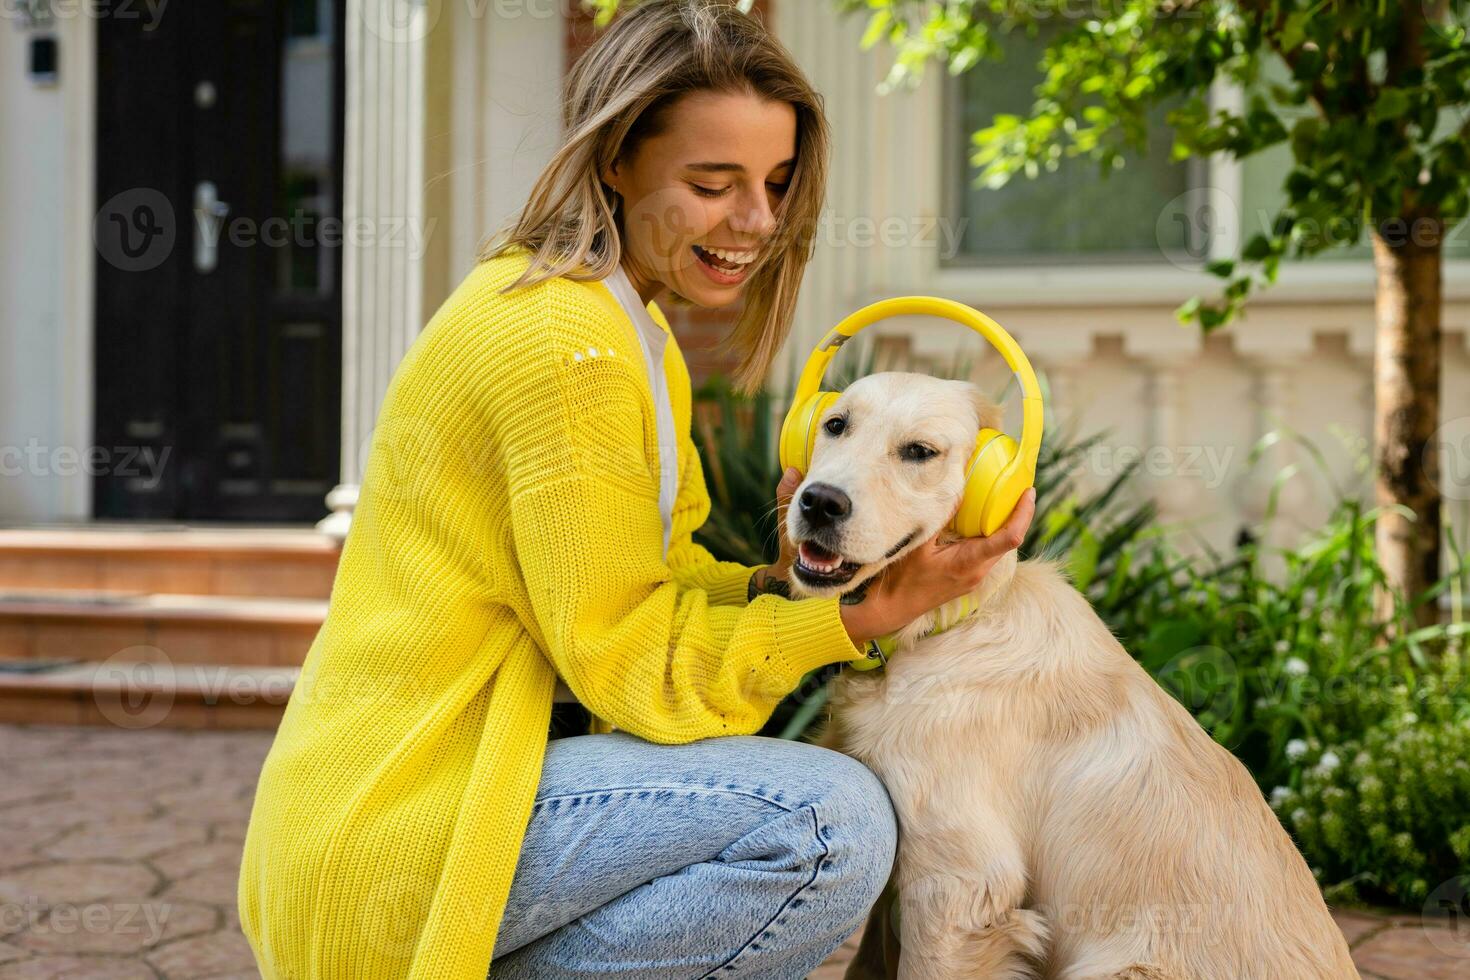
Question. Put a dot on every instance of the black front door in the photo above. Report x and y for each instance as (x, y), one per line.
(218, 234)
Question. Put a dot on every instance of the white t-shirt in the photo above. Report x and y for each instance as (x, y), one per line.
(652, 339)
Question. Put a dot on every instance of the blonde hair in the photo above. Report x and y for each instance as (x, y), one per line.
(616, 95)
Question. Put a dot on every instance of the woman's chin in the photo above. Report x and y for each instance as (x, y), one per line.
(706, 295)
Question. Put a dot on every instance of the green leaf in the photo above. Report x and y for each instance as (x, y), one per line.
(877, 24)
(1256, 249)
(1082, 559)
(1294, 31)
(1304, 135)
(1188, 309)
(1220, 267)
(1211, 317)
(1391, 104)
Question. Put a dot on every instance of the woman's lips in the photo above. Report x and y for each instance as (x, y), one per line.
(720, 276)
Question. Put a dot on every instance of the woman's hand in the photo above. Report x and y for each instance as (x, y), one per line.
(933, 574)
(790, 480)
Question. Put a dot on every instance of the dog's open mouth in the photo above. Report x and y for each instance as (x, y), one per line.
(816, 565)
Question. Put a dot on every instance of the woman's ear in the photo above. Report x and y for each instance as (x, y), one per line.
(609, 175)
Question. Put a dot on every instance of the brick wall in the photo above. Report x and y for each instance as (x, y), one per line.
(698, 330)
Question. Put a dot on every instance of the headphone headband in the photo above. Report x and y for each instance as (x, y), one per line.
(994, 333)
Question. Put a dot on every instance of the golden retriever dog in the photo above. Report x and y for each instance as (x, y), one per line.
(1060, 815)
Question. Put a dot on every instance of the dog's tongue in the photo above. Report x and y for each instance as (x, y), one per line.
(812, 551)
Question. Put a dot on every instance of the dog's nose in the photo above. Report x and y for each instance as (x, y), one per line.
(823, 504)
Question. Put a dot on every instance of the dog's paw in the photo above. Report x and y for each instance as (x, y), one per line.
(991, 905)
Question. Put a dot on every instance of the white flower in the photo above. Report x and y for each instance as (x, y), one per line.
(1282, 646)
(1328, 762)
(1295, 667)
(1295, 749)
(1410, 718)
(1278, 796)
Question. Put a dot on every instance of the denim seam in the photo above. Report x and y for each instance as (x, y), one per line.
(706, 790)
(786, 905)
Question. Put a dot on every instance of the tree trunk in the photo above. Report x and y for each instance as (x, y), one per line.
(1406, 406)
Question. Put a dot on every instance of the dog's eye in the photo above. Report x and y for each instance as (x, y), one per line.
(835, 425)
(917, 450)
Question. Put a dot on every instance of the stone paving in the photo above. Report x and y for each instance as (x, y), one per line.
(121, 853)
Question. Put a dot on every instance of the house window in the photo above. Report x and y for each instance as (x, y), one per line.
(1072, 214)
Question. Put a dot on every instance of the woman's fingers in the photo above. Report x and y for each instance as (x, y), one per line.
(790, 480)
(987, 549)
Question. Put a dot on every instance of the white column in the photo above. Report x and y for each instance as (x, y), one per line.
(383, 198)
(1274, 373)
(1176, 492)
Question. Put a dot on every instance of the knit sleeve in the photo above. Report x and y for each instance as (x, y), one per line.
(662, 662)
(724, 582)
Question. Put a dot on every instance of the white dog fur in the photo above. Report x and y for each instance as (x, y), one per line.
(1060, 815)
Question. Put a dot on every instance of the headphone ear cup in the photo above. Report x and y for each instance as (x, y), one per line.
(984, 488)
(799, 431)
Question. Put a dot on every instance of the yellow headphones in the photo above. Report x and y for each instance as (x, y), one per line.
(999, 470)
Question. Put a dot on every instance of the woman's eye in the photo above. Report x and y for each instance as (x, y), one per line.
(917, 451)
(708, 191)
(780, 188)
(835, 425)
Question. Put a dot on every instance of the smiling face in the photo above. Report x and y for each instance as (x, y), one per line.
(886, 474)
(699, 198)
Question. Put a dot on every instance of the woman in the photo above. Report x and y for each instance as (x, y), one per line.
(526, 515)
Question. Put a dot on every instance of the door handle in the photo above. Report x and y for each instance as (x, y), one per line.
(209, 219)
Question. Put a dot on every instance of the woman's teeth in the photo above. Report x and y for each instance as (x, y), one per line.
(723, 260)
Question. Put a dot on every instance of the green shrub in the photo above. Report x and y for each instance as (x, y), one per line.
(1385, 816)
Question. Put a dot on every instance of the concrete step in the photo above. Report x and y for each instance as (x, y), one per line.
(144, 693)
(272, 561)
(97, 625)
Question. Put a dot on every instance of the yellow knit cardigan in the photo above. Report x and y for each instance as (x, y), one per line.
(507, 533)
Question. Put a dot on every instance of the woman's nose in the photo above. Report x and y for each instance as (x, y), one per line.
(754, 217)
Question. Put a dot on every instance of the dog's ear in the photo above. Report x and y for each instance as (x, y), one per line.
(987, 412)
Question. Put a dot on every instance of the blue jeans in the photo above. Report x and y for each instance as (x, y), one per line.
(740, 856)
